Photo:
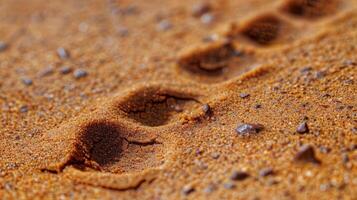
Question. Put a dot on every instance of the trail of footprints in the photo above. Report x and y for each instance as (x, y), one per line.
(123, 143)
(237, 50)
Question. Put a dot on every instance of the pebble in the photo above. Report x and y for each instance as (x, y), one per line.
(24, 109)
(209, 189)
(123, 31)
(266, 172)
(325, 150)
(206, 109)
(164, 25)
(79, 73)
(229, 185)
(63, 53)
(26, 81)
(207, 18)
(215, 155)
(306, 153)
(239, 175)
(200, 8)
(246, 129)
(302, 128)
(345, 158)
(3, 46)
(46, 71)
(65, 70)
(187, 189)
(244, 95)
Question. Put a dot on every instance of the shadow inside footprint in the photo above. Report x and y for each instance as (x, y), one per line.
(107, 147)
(310, 8)
(209, 59)
(215, 61)
(263, 30)
(157, 107)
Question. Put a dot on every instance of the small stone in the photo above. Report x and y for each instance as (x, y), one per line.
(244, 95)
(257, 106)
(79, 73)
(3, 46)
(123, 31)
(305, 70)
(206, 109)
(187, 189)
(239, 175)
(63, 53)
(324, 149)
(345, 158)
(46, 71)
(354, 130)
(215, 155)
(302, 128)
(207, 18)
(306, 154)
(209, 189)
(24, 109)
(246, 129)
(26, 81)
(65, 70)
(200, 8)
(266, 172)
(164, 25)
(229, 185)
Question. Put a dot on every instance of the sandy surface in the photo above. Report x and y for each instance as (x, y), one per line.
(159, 99)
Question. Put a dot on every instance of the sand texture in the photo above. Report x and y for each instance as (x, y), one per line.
(178, 99)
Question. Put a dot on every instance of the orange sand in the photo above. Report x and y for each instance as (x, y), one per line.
(145, 98)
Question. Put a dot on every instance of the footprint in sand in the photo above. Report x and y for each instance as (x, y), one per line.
(238, 49)
(120, 145)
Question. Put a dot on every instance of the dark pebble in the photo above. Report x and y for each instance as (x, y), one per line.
(306, 153)
(63, 53)
(239, 175)
(266, 172)
(305, 70)
(302, 128)
(65, 70)
(209, 189)
(246, 129)
(345, 158)
(229, 185)
(244, 95)
(79, 73)
(200, 9)
(3, 46)
(325, 150)
(26, 81)
(207, 18)
(164, 25)
(46, 71)
(206, 109)
(257, 106)
(187, 189)
(24, 109)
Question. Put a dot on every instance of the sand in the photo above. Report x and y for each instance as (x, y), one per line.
(178, 99)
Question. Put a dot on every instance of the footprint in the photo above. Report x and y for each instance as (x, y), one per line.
(109, 147)
(215, 61)
(310, 9)
(157, 106)
(265, 30)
